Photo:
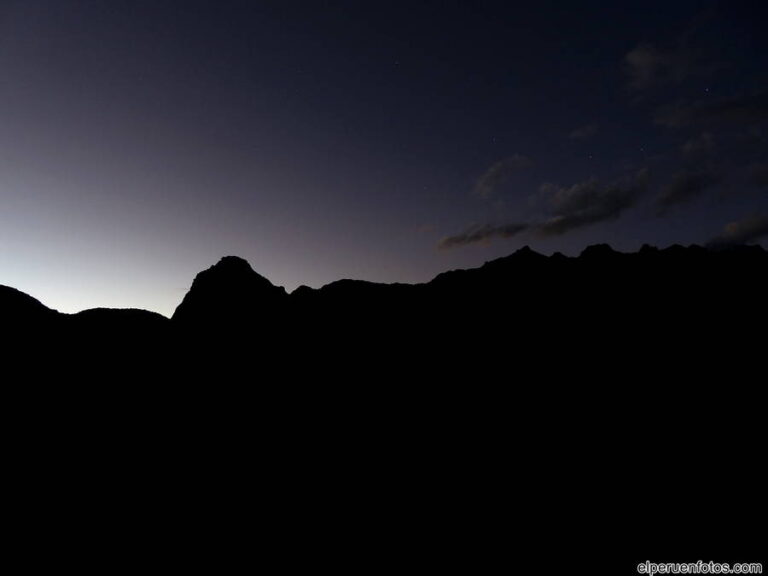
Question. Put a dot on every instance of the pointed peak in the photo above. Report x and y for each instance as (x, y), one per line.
(527, 252)
(230, 291)
(523, 256)
(233, 271)
(303, 291)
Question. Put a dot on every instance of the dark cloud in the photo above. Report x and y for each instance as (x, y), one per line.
(584, 133)
(745, 231)
(497, 174)
(649, 66)
(590, 202)
(684, 187)
(699, 146)
(674, 60)
(481, 234)
(645, 64)
(740, 110)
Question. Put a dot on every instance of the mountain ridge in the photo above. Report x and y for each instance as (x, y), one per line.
(570, 367)
(233, 273)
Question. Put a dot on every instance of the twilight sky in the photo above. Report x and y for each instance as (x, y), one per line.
(140, 141)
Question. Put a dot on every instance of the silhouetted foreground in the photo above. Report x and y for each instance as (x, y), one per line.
(619, 389)
(536, 294)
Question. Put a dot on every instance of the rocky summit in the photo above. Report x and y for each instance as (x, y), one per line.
(230, 293)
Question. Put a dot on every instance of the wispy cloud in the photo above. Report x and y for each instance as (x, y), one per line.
(590, 202)
(745, 231)
(648, 66)
(481, 234)
(584, 132)
(685, 187)
(745, 109)
(699, 146)
(488, 184)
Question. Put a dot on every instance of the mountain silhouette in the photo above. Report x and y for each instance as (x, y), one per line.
(540, 294)
(683, 308)
(607, 385)
(113, 320)
(230, 293)
(18, 309)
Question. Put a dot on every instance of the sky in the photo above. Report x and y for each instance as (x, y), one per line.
(141, 141)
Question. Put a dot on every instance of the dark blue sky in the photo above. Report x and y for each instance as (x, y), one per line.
(140, 141)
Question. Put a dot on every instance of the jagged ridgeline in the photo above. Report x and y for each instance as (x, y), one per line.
(523, 301)
(553, 377)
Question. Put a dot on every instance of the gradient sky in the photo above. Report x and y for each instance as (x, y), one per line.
(140, 141)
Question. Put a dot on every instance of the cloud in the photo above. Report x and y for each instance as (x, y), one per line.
(686, 186)
(481, 234)
(652, 65)
(648, 66)
(578, 206)
(584, 133)
(497, 174)
(590, 202)
(699, 146)
(745, 231)
(644, 66)
(747, 109)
